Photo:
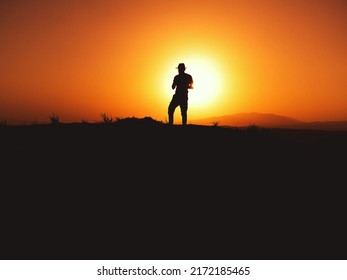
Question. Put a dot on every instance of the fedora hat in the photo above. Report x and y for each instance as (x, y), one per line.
(181, 65)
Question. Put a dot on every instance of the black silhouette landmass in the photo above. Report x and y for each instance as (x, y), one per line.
(141, 189)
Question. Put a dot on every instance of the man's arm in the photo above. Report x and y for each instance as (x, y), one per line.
(174, 83)
(191, 84)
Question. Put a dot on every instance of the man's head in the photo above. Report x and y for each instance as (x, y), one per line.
(181, 68)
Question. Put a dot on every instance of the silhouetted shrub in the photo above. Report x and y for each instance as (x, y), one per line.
(54, 118)
(106, 118)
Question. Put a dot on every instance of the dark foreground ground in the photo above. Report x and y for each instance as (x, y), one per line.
(139, 189)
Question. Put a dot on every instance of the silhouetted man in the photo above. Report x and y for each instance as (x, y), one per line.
(182, 82)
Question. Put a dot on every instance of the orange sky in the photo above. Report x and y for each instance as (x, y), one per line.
(81, 58)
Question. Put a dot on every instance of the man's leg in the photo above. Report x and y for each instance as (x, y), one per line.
(171, 110)
(184, 109)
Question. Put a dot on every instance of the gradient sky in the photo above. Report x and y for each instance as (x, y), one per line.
(81, 58)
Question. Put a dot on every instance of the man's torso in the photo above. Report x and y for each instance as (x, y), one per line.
(183, 82)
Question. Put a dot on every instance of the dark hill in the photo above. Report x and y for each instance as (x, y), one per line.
(140, 189)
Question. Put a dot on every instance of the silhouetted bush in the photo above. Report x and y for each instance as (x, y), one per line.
(106, 118)
(54, 118)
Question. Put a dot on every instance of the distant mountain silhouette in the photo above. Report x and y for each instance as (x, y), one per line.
(270, 121)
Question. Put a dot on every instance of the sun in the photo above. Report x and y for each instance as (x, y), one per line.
(208, 82)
